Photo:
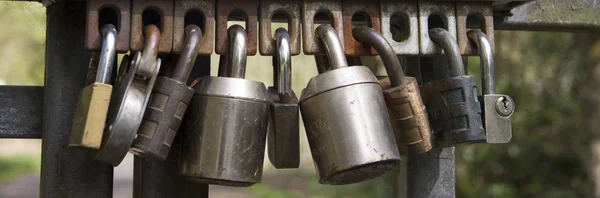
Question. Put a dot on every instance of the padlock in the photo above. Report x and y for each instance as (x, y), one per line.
(497, 109)
(452, 106)
(92, 107)
(128, 102)
(283, 135)
(168, 103)
(402, 96)
(346, 120)
(225, 127)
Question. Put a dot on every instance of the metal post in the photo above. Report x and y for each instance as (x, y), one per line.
(431, 174)
(67, 172)
(160, 179)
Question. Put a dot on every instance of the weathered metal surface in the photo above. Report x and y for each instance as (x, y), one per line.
(446, 11)
(165, 23)
(404, 16)
(333, 8)
(248, 10)
(207, 24)
(21, 111)
(93, 39)
(483, 12)
(432, 174)
(289, 8)
(369, 10)
(553, 15)
(63, 167)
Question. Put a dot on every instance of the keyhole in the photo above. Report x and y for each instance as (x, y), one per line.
(504, 106)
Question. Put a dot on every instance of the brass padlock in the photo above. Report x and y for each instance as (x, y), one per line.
(93, 103)
(283, 136)
(497, 108)
(402, 97)
(346, 120)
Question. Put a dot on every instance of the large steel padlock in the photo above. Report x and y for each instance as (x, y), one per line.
(225, 128)
(346, 120)
(168, 103)
(94, 100)
(283, 135)
(453, 109)
(497, 108)
(133, 88)
(402, 96)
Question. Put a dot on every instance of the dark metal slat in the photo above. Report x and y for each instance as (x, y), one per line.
(21, 111)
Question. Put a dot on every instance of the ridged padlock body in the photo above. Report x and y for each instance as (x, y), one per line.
(408, 116)
(225, 132)
(162, 118)
(283, 135)
(347, 126)
(454, 111)
(90, 116)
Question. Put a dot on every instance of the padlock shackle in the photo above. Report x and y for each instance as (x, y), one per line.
(108, 54)
(191, 46)
(150, 51)
(322, 63)
(333, 46)
(385, 50)
(445, 40)
(236, 60)
(283, 65)
(486, 54)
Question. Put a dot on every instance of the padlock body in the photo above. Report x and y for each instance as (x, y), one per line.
(454, 111)
(224, 132)
(90, 116)
(283, 135)
(162, 118)
(498, 128)
(347, 126)
(409, 117)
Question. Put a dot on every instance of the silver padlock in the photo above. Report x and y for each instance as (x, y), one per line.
(346, 120)
(283, 136)
(497, 108)
(225, 127)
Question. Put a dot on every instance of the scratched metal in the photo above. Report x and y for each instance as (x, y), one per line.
(482, 10)
(408, 11)
(371, 11)
(333, 8)
(183, 7)
(443, 9)
(165, 9)
(93, 37)
(268, 8)
(249, 10)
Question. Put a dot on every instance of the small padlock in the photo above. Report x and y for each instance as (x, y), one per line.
(402, 96)
(283, 136)
(452, 106)
(497, 109)
(168, 103)
(225, 126)
(94, 100)
(346, 120)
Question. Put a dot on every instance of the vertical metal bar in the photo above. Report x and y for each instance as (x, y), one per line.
(67, 172)
(431, 174)
(160, 179)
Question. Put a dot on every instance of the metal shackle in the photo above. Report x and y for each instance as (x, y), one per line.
(238, 45)
(283, 63)
(386, 52)
(150, 51)
(487, 60)
(107, 54)
(185, 63)
(443, 38)
(333, 46)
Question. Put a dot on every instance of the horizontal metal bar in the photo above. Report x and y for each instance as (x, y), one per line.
(21, 111)
(553, 15)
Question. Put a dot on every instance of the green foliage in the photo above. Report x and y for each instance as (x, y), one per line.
(12, 167)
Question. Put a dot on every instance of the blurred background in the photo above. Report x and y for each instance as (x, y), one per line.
(554, 79)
